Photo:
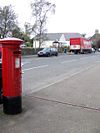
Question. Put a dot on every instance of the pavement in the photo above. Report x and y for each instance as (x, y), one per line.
(70, 106)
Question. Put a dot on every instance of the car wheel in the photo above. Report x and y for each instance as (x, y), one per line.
(48, 54)
(56, 54)
(39, 55)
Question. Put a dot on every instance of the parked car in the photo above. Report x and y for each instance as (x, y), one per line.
(48, 52)
(98, 49)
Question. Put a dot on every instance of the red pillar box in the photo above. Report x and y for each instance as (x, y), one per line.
(11, 74)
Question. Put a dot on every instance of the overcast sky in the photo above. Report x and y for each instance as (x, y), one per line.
(80, 16)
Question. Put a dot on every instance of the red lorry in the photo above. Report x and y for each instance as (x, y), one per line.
(80, 45)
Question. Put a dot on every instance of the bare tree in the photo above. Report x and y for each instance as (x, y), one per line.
(28, 28)
(83, 35)
(40, 10)
(7, 20)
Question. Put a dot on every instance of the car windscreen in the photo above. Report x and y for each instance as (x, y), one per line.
(46, 49)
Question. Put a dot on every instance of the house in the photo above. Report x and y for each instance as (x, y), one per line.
(95, 39)
(56, 39)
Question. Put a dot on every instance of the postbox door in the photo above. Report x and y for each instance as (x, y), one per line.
(17, 73)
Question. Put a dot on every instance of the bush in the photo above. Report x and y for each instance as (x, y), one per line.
(30, 51)
(28, 44)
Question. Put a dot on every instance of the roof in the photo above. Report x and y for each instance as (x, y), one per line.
(72, 35)
(53, 36)
(56, 36)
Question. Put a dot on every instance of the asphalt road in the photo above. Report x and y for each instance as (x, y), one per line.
(39, 73)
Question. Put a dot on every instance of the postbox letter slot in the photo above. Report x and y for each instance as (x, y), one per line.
(17, 52)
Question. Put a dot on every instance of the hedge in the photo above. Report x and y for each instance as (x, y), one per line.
(30, 51)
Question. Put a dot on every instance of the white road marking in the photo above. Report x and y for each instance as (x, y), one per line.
(83, 58)
(43, 66)
(98, 61)
(87, 57)
(60, 80)
(23, 63)
(37, 58)
(68, 61)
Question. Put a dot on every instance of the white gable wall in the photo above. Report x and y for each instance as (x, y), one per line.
(45, 44)
(62, 38)
(63, 41)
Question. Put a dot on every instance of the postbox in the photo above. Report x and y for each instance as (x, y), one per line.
(11, 75)
(0, 75)
(0, 81)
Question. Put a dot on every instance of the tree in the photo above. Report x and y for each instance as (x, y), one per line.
(7, 21)
(20, 34)
(16, 32)
(98, 44)
(28, 28)
(96, 39)
(40, 12)
(83, 35)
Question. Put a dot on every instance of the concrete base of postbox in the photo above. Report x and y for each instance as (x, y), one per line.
(12, 105)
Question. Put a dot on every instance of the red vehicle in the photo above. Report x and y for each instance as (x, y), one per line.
(80, 45)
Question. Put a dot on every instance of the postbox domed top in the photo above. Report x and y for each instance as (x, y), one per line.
(11, 41)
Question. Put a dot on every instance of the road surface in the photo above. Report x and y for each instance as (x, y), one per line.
(39, 73)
